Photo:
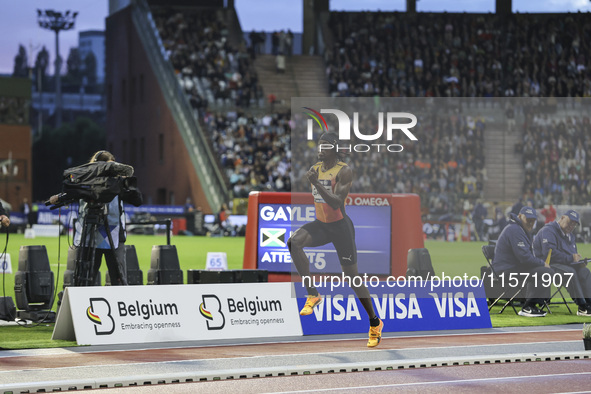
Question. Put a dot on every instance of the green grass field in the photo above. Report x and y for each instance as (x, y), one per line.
(192, 252)
(449, 259)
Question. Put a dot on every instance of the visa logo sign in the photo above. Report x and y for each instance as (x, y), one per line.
(452, 305)
(397, 306)
(338, 308)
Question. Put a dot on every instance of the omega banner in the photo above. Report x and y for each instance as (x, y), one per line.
(141, 314)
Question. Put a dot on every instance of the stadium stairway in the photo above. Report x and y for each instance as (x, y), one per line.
(504, 167)
(304, 77)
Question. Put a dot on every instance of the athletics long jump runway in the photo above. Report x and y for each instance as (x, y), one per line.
(544, 359)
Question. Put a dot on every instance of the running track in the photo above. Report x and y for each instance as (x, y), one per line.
(544, 359)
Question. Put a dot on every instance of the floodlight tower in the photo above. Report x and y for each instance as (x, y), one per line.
(56, 21)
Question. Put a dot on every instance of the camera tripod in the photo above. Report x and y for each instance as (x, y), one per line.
(86, 269)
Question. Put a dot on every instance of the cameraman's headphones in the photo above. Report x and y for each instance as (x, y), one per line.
(99, 153)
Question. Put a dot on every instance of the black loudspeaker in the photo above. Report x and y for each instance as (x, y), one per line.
(217, 277)
(71, 267)
(164, 266)
(418, 263)
(135, 276)
(34, 284)
(194, 277)
(7, 309)
(251, 276)
(231, 276)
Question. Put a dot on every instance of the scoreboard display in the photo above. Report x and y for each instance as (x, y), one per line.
(278, 221)
(386, 226)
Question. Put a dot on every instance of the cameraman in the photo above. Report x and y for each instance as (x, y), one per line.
(116, 221)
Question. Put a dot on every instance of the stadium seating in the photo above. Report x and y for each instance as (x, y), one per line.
(458, 55)
(555, 160)
(211, 71)
(392, 54)
(254, 151)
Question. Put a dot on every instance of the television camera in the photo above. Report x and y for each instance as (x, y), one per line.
(97, 184)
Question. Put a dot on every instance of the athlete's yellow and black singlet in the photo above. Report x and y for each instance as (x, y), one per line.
(328, 179)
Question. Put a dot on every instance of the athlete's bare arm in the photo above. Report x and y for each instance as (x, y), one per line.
(344, 181)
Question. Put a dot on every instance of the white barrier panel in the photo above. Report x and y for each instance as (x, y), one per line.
(216, 261)
(29, 233)
(141, 314)
(46, 230)
(5, 264)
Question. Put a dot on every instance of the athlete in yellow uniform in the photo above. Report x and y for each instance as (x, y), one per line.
(331, 181)
(327, 179)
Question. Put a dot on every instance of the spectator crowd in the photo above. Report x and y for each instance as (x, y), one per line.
(458, 55)
(209, 69)
(254, 151)
(389, 54)
(445, 167)
(556, 161)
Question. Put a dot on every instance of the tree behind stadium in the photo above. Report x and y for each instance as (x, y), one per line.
(70, 145)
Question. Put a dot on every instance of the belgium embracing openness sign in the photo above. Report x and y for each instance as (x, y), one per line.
(144, 314)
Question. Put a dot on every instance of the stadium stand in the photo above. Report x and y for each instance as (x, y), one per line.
(392, 54)
(254, 151)
(443, 172)
(209, 68)
(452, 164)
(555, 160)
(458, 55)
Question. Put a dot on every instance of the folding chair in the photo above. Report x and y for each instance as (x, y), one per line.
(564, 301)
(558, 291)
(489, 253)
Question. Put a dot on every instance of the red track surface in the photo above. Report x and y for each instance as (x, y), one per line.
(541, 377)
(532, 377)
(155, 355)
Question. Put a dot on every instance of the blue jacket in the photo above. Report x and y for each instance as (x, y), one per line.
(514, 248)
(479, 212)
(551, 237)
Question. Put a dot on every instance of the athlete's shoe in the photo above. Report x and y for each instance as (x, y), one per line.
(310, 304)
(375, 335)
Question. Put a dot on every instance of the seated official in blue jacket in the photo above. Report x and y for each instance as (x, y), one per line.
(514, 254)
(565, 259)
